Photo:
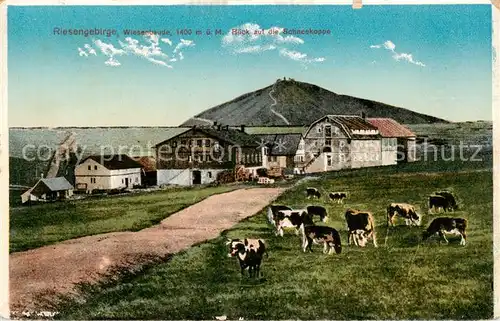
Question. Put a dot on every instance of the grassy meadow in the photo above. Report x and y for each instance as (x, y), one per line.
(43, 224)
(402, 279)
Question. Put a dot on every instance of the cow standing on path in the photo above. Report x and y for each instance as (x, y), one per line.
(447, 225)
(360, 227)
(249, 253)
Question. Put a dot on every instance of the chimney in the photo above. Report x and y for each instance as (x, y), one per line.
(242, 128)
(219, 127)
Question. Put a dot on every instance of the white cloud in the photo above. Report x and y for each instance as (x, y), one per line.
(82, 52)
(294, 55)
(257, 40)
(389, 45)
(159, 62)
(112, 62)
(150, 49)
(299, 56)
(409, 58)
(183, 44)
(108, 49)
(90, 50)
(167, 41)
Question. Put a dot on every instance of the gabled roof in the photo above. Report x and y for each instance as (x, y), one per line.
(350, 123)
(281, 144)
(388, 127)
(45, 185)
(148, 163)
(120, 161)
(229, 135)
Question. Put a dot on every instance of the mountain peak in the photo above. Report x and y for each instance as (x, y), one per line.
(291, 102)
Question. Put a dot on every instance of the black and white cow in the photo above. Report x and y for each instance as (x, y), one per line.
(313, 192)
(360, 227)
(452, 203)
(325, 235)
(273, 210)
(291, 219)
(438, 202)
(249, 253)
(447, 225)
(406, 211)
(338, 197)
(314, 210)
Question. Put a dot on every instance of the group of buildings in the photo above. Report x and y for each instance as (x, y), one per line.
(198, 154)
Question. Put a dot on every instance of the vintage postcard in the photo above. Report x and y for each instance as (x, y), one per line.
(249, 162)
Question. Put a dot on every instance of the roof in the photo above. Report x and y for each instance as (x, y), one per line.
(281, 144)
(120, 161)
(57, 183)
(388, 127)
(350, 123)
(148, 163)
(229, 135)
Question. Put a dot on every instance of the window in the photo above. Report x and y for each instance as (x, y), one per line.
(190, 142)
(183, 142)
(174, 144)
(199, 143)
(328, 160)
(209, 174)
(123, 181)
(189, 159)
(95, 167)
(207, 143)
(92, 180)
(216, 146)
(328, 131)
(319, 129)
(90, 167)
(328, 142)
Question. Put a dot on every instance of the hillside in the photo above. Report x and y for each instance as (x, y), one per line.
(290, 102)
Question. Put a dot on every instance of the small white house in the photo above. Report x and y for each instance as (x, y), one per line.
(107, 172)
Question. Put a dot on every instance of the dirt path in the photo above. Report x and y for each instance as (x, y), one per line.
(39, 274)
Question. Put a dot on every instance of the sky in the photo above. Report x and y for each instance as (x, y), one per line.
(432, 59)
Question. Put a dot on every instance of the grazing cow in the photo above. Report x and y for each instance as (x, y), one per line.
(313, 192)
(249, 253)
(404, 210)
(360, 227)
(273, 210)
(321, 234)
(338, 197)
(450, 198)
(291, 219)
(447, 225)
(438, 202)
(319, 211)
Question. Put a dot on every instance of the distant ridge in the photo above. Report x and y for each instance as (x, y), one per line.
(295, 103)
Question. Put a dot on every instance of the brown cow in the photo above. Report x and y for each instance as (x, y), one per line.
(360, 227)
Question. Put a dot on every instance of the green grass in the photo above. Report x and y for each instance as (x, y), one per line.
(44, 224)
(402, 279)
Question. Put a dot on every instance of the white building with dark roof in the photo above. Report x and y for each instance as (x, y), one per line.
(107, 172)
